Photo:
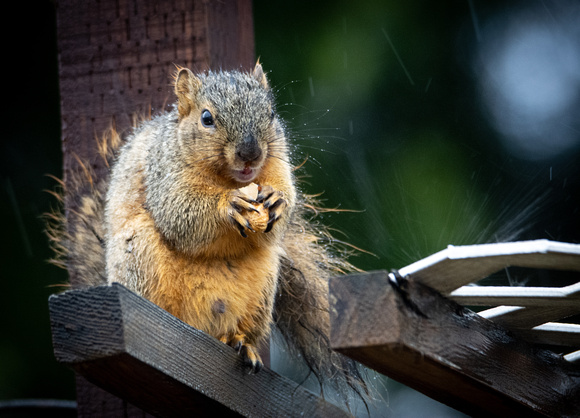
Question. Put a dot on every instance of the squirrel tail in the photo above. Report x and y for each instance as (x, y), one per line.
(301, 312)
(75, 229)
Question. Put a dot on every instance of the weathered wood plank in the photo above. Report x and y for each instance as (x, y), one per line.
(141, 353)
(416, 336)
(457, 266)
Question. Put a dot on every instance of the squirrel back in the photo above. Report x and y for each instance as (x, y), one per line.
(200, 214)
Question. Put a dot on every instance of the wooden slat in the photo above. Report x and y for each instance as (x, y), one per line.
(568, 296)
(520, 317)
(531, 319)
(418, 337)
(139, 352)
(552, 333)
(573, 357)
(457, 266)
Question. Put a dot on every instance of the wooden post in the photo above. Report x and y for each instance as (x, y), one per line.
(116, 58)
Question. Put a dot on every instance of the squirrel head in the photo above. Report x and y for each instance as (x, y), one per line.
(227, 121)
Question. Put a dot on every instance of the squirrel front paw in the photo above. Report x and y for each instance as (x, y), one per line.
(240, 210)
(274, 202)
(256, 208)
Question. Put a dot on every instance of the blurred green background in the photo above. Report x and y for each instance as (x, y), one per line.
(452, 122)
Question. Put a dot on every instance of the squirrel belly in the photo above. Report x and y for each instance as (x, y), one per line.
(223, 297)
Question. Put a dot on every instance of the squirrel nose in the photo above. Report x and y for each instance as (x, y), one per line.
(249, 150)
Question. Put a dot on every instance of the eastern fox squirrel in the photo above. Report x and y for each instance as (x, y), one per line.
(201, 216)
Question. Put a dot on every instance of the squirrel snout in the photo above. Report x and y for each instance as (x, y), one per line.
(249, 150)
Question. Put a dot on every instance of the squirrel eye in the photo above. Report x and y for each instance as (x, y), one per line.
(206, 118)
(272, 114)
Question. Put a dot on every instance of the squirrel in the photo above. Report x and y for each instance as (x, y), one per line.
(201, 215)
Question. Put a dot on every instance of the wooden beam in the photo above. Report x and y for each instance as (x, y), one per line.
(413, 334)
(140, 353)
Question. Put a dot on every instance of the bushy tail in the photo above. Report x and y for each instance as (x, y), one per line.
(302, 308)
(76, 230)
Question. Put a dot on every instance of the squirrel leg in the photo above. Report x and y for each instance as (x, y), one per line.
(248, 352)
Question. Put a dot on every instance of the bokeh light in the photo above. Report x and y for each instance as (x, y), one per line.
(528, 69)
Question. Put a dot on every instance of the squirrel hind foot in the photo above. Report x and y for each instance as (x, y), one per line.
(251, 358)
(249, 353)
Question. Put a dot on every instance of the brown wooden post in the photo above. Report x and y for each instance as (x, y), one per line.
(116, 58)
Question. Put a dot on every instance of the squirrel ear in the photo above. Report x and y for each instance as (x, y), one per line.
(186, 87)
(259, 75)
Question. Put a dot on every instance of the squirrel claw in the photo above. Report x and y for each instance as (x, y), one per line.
(271, 222)
(240, 206)
(249, 354)
(239, 202)
(276, 204)
(251, 358)
(242, 232)
(240, 222)
(274, 201)
(264, 193)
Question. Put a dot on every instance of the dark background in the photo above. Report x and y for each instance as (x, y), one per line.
(452, 122)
